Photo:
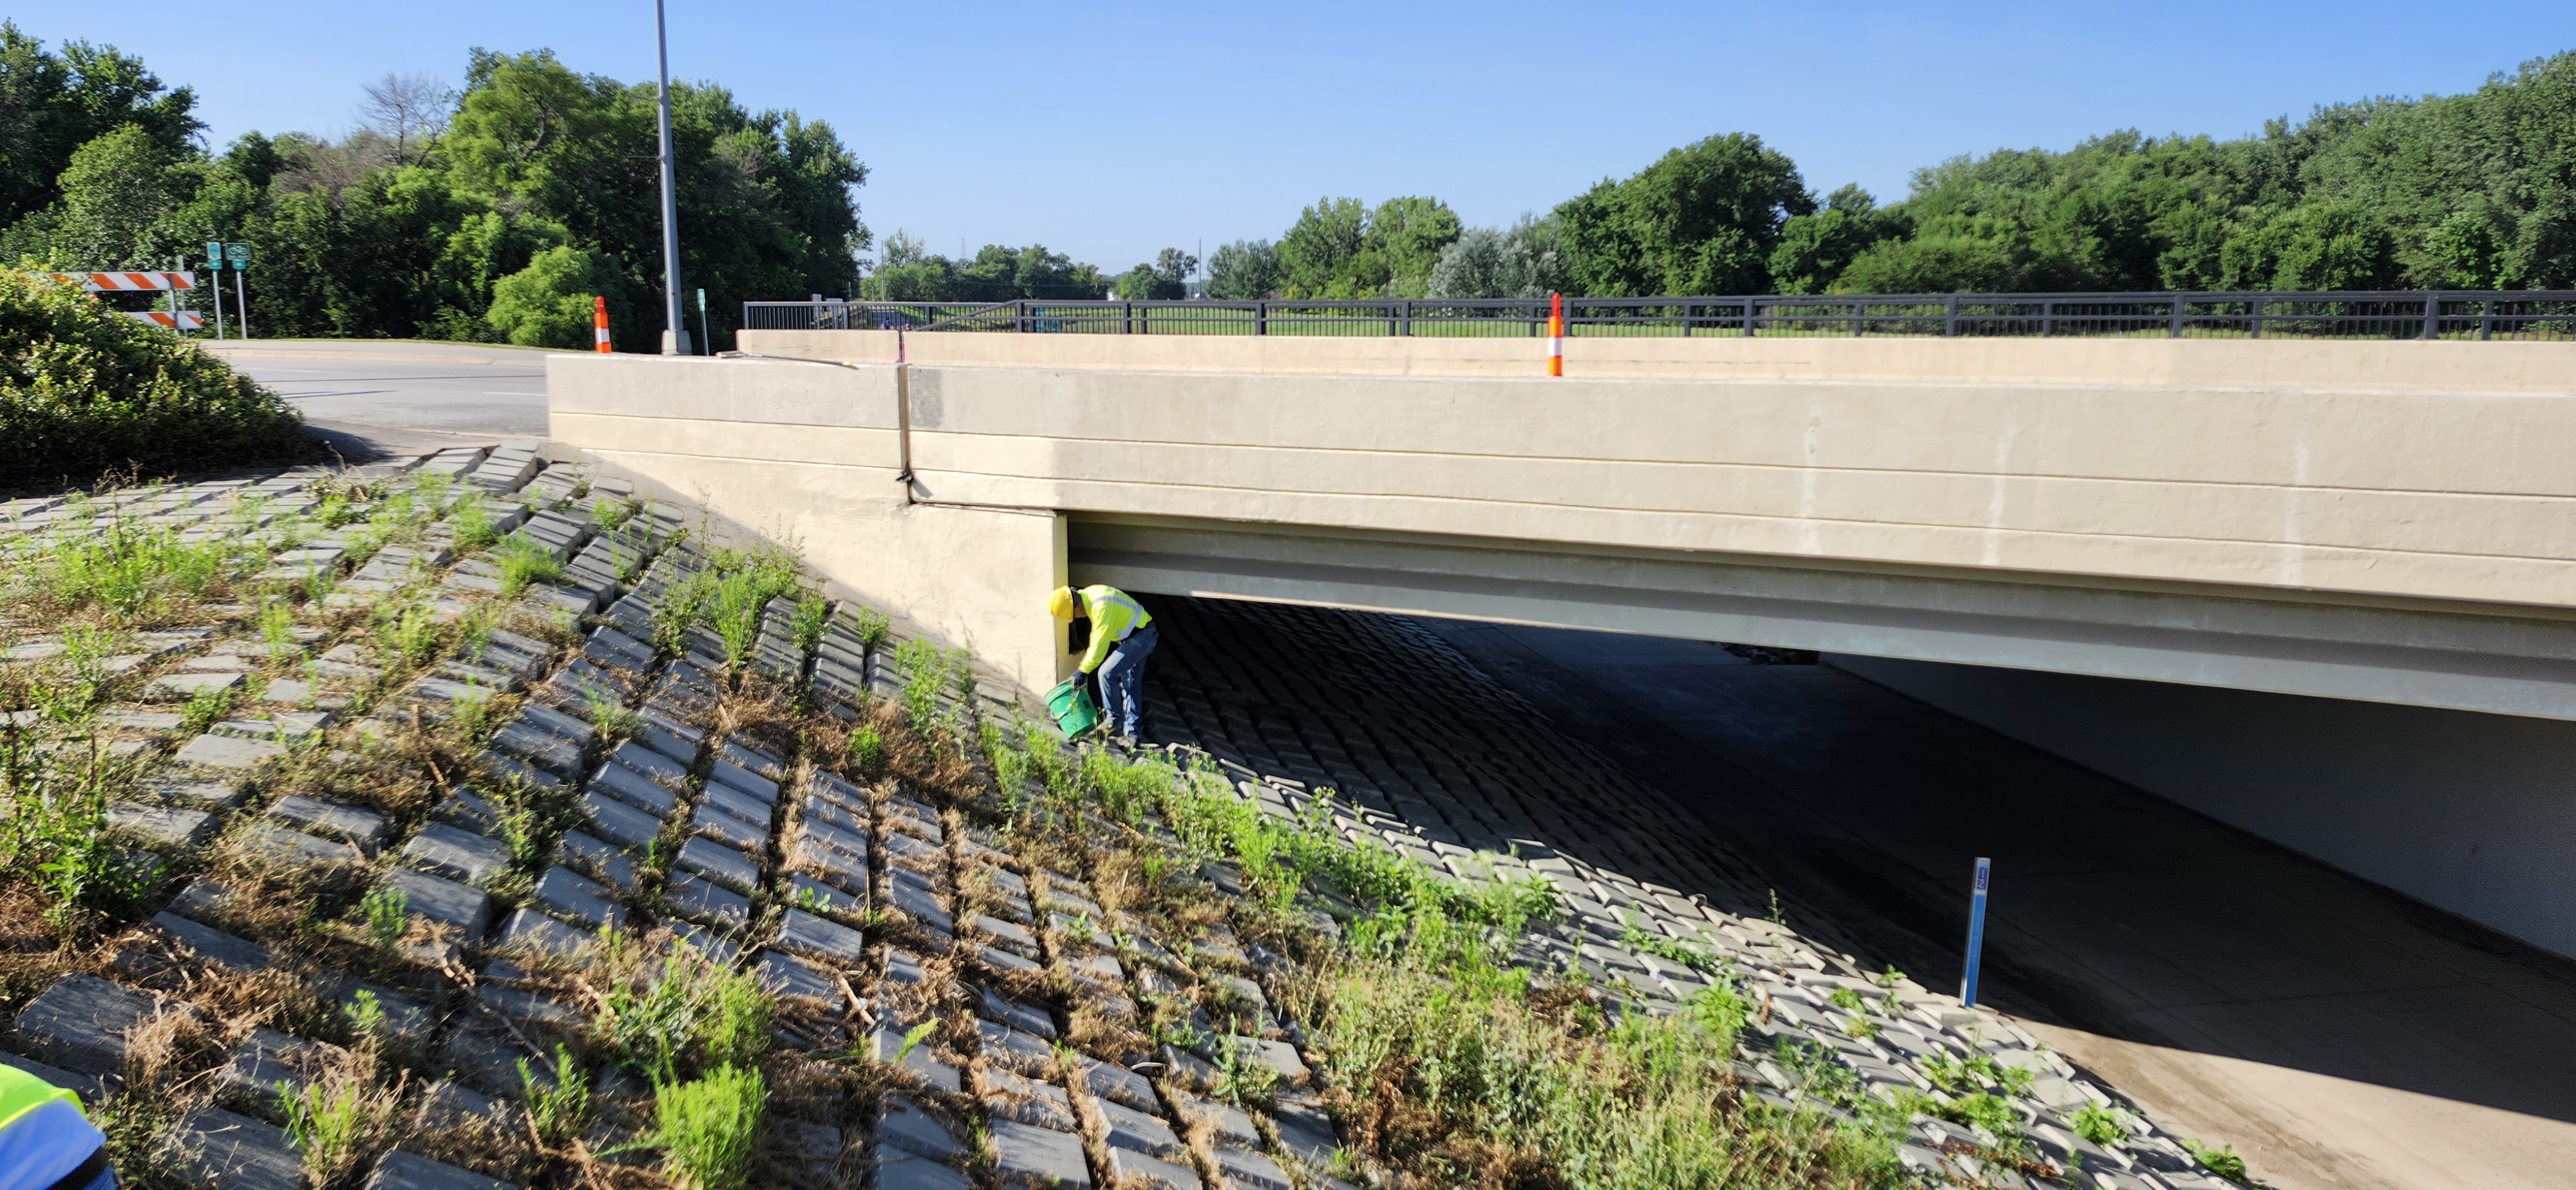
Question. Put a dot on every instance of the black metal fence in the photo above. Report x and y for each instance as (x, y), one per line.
(2404, 314)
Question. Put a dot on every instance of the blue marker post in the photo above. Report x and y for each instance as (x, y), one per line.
(1976, 934)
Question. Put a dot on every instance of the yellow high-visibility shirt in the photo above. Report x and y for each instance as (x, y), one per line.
(43, 1135)
(1113, 616)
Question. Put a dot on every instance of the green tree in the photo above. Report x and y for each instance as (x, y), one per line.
(1166, 279)
(52, 104)
(1703, 220)
(1816, 247)
(549, 303)
(1320, 254)
(1243, 271)
(1408, 234)
(117, 194)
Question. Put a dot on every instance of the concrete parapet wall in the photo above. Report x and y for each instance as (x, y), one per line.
(2220, 363)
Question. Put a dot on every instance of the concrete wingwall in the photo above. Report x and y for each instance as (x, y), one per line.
(2475, 814)
(812, 455)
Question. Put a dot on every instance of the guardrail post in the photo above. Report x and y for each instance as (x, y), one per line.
(2254, 319)
(2173, 329)
(2486, 318)
(2047, 318)
(2433, 315)
(1859, 308)
(1404, 318)
(1126, 318)
(1950, 320)
(1260, 317)
(1685, 320)
(1748, 318)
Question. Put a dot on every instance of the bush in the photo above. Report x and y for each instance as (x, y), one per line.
(84, 389)
(548, 303)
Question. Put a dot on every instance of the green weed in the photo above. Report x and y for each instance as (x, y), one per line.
(558, 1107)
(2218, 1159)
(607, 513)
(365, 1015)
(682, 1013)
(615, 720)
(707, 1128)
(471, 520)
(336, 1123)
(812, 613)
(206, 708)
(387, 913)
(866, 748)
(276, 626)
(407, 632)
(2101, 1123)
(523, 562)
(128, 568)
(872, 626)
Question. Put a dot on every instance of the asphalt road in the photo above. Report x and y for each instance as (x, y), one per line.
(401, 397)
(2341, 1036)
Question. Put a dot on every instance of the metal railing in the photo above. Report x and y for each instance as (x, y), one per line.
(2400, 314)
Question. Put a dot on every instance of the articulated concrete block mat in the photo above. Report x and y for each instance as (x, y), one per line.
(518, 825)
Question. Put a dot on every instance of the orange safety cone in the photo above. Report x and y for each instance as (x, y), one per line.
(1556, 334)
(599, 321)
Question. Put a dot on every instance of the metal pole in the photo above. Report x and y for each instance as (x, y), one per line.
(2433, 315)
(241, 302)
(219, 298)
(675, 339)
(1748, 318)
(1976, 935)
(2254, 318)
(1950, 320)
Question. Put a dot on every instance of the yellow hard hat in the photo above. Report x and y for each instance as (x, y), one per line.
(1060, 604)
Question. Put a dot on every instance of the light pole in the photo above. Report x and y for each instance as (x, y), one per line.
(675, 336)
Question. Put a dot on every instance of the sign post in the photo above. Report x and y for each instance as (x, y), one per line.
(1976, 934)
(215, 262)
(239, 254)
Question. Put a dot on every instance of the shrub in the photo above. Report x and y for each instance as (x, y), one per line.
(84, 389)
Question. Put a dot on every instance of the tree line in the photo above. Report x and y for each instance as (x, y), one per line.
(2471, 191)
(492, 212)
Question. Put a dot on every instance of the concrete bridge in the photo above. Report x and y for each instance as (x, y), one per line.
(2374, 522)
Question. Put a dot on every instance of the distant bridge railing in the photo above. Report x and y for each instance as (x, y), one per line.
(2397, 314)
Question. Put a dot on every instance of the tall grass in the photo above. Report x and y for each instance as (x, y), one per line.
(126, 569)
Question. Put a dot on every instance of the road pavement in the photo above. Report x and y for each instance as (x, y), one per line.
(389, 397)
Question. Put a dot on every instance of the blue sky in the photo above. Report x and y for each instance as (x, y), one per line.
(1109, 130)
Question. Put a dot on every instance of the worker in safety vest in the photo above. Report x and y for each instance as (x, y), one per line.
(45, 1141)
(1122, 635)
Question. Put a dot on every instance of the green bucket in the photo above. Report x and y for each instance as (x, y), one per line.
(1071, 705)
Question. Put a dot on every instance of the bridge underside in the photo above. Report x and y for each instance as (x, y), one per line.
(2417, 654)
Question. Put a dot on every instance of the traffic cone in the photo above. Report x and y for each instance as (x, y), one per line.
(1556, 334)
(599, 321)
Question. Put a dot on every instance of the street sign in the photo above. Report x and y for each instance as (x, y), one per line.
(215, 256)
(238, 253)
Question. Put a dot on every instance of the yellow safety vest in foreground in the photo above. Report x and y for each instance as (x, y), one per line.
(43, 1135)
(1113, 615)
